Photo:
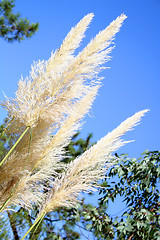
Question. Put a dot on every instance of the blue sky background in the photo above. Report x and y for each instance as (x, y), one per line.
(131, 84)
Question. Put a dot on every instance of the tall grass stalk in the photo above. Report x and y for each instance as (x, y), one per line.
(15, 187)
(37, 222)
(13, 147)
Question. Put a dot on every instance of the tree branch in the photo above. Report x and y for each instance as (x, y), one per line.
(13, 226)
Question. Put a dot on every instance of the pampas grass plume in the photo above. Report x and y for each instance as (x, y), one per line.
(52, 102)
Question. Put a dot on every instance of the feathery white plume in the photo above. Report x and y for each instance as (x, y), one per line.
(52, 101)
(84, 172)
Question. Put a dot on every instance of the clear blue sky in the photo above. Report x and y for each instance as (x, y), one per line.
(133, 81)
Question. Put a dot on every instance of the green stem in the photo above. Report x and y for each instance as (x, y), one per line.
(13, 190)
(16, 143)
(38, 220)
(36, 228)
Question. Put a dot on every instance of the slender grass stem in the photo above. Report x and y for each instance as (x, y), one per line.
(13, 190)
(16, 143)
(36, 227)
(37, 221)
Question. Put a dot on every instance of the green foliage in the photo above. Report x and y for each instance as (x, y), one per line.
(76, 147)
(137, 182)
(12, 26)
(4, 233)
(95, 220)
